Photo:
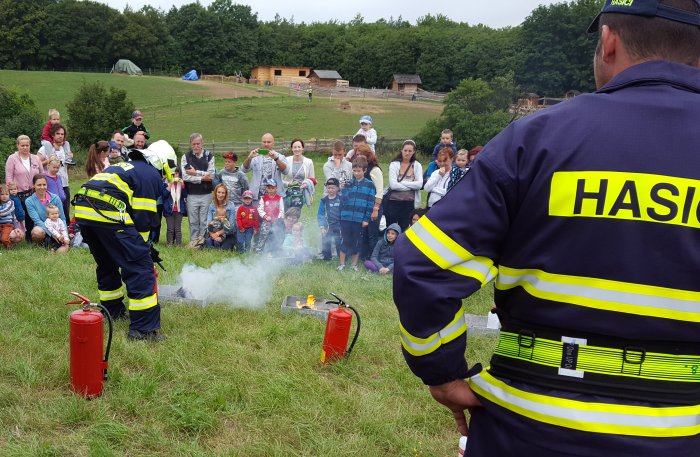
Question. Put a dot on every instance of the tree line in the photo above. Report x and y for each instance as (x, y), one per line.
(549, 53)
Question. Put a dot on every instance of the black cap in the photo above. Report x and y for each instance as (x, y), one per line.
(333, 182)
(646, 8)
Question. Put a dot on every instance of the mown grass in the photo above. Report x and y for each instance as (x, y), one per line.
(173, 108)
(229, 381)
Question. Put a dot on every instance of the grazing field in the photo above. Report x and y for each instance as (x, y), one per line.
(173, 108)
(231, 380)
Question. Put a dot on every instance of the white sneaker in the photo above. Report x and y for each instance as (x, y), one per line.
(340, 267)
(354, 268)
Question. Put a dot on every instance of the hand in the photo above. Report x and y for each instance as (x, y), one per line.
(323, 231)
(457, 396)
(253, 154)
(190, 171)
(375, 214)
(206, 178)
(365, 224)
(383, 270)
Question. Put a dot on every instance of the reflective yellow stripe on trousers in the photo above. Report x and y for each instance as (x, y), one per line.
(662, 422)
(422, 346)
(106, 295)
(448, 254)
(618, 296)
(140, 304)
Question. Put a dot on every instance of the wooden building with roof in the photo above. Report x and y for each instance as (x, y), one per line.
(405, 84)
(325, 78)
(279, 76)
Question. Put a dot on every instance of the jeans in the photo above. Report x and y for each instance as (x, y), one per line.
(245, 240)
(332, 236)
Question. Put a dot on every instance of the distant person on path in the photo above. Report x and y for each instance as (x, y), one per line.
(136, 126)
(198, 174)
(310, 91)
(264, 163)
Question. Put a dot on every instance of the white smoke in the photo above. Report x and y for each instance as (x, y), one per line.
(233, 283)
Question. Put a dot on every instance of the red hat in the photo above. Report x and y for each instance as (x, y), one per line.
(229, 155)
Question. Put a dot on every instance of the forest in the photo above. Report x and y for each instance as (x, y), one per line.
(548, 54)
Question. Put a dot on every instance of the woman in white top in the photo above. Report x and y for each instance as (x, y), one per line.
(405, 181)
(300, 169)
(440, 179)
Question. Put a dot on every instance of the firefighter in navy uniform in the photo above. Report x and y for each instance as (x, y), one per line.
(116, 210)
(587, 216)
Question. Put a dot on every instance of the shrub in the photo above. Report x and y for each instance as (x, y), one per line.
(95, 113)
(18, 116)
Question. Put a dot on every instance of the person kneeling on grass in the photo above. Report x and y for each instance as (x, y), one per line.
(382, 259)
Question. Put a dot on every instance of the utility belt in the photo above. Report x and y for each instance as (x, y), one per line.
(101, 201)
(598, 365)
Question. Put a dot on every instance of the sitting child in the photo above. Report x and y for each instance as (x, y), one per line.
(59, 242)
(382, 259)
(217, 228)
(294, 247)
(9, 231)
(248, 222)
(19, 210)
(76, 238)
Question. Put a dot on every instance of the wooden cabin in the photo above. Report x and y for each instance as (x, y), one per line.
(279, 76)
(405, 84)
(325, 78)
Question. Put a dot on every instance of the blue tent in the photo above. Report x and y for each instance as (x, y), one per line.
(191, 76)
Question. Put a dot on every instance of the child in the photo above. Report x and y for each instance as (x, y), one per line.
(294, 244)
(440, 178)
(46, 140)
(329, 218)
(9, 231)
(248, 222)
(417, 214)
(174, 208)
(136, 126)
(368, 131)
(53, 181)
(115, 153)
(382, 259)
(60, 242)
(233, 178)
(459, 168)
(19, 209)
(445, 142)
(271, 211)
(356, 204)
(218, 224)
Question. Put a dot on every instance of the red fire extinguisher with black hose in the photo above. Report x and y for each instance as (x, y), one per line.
(88, 369)
(338, 331)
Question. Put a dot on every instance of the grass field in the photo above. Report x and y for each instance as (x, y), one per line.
(174, 108)
(231, 380)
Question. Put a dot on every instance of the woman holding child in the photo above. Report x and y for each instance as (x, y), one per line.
(405, 182)
(36, 210)
(221, 218)
(20, 168)
(300, 178)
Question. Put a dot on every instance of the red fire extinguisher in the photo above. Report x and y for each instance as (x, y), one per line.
(88, 369)
(338, 331)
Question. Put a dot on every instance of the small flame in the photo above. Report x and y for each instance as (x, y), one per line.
(310, 303)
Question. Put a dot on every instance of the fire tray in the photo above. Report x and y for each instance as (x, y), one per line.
(320, 308)
(175, 294)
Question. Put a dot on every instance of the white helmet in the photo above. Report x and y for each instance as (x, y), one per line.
(162, 156)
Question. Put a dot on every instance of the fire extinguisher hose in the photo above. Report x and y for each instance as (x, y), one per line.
(357, 330)
(109, 337)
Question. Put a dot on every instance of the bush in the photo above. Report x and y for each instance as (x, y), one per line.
(95, 113)
(18, 116)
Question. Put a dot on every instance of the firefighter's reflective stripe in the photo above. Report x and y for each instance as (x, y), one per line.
(623, 297)
(421, 346)
(607, 418)
(145, 235)
(113, 217)
(602, 360)
(106, 295)
(139, 304)
(117, 182)
(144, 204)
(447, 254)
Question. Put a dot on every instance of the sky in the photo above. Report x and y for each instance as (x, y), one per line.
(498, 13)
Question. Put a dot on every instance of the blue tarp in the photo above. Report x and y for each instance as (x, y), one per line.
(191, 76)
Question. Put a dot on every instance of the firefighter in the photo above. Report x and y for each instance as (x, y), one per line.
(587, 217)
(116, 210)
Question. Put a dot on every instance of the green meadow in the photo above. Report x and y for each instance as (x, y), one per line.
(231, 379)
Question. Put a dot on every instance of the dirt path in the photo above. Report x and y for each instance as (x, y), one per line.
(226, 90)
